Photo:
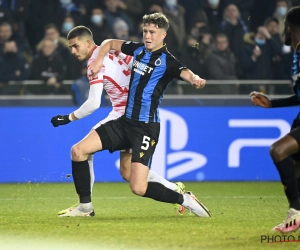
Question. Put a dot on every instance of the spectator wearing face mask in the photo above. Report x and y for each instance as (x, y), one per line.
(13, 66)
(256, 55)
(98, 25)
(67, 25)
(214, 15)
(280, 12)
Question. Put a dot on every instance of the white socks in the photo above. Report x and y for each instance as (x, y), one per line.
(92, 173)
(154, 177)
(86, 207)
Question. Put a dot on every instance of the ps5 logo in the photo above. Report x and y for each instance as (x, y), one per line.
(234, 150)
(174, 137)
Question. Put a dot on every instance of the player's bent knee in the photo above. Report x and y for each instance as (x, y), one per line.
(76, 153)
(277, 153)
(138, 190)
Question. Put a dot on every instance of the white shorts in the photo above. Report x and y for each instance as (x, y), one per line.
(113, 115)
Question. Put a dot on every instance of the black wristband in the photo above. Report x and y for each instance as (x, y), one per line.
(285, 102)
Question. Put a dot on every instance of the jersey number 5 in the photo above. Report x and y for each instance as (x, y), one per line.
(146, 141)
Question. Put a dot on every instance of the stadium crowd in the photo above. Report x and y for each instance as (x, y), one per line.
(216, 39)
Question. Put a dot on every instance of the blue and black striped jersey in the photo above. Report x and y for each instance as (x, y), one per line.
(150, 75)
(296, 71)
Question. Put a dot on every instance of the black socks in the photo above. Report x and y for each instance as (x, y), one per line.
(159, 192)
(287, 172)
(82, 180)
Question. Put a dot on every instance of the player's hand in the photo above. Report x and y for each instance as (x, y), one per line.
(260, 99)
(198, 82)
(95, 68)
(60, 120)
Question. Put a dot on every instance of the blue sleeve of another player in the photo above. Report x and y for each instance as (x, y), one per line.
(129, 47)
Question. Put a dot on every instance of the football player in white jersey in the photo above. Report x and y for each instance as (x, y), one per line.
(114, 77)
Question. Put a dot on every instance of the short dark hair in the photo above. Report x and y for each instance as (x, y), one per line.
(271, 19)
(292, 17)
(79, 31)
(158, 19)
(51, 26)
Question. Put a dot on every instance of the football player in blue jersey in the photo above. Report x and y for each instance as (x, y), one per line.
(153, 68)
(285, 152)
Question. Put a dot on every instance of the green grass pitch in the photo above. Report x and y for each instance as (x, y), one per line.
(242, 213)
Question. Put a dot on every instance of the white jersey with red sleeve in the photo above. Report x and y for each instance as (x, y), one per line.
(114, 77)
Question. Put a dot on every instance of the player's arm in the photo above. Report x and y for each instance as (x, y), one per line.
(260, 99)
(89, 106)
(193, 79)
(105, 47)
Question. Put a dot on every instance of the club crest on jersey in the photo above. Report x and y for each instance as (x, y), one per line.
(158, 62)
(141, 154)
(141, 68)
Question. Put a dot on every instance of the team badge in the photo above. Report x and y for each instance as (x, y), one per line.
(152, 143)
(142, 154)
(158, 62)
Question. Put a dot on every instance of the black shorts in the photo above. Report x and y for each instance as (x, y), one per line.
(126, 133)
(295, 133)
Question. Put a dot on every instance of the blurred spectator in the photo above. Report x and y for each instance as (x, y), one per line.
(214, 15)
(243, 6)
(196, 29)
(282, 63)
(19, 10)
(112, 11)
(221, 65)
(176, 32)
(67, 25)
(257, 54)
(234, 28)
(62, 44)
(280, 12)
(5, 35)
(99, 26)
(134, 9)
(62, 48)
(49, 67)
(194, 56)
(13, 66)
(121, 30)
